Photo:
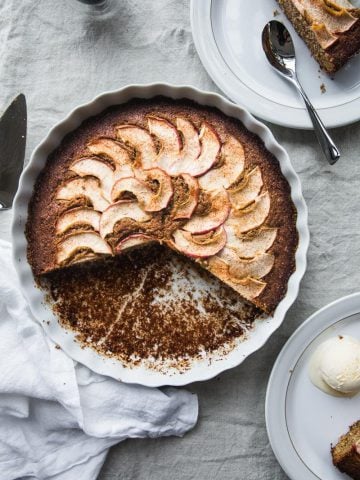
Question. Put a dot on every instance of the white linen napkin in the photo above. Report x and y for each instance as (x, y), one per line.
(57, 417)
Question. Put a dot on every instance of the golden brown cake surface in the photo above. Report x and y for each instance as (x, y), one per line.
(173, 172)
(346, 453)
(330, 28)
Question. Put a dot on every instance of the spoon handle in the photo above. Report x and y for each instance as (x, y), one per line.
(328, 146)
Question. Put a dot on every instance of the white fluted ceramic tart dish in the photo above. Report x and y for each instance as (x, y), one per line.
(178, 174)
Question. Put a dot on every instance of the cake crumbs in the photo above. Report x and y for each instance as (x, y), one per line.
(122, 309)
(276, 13)
(323, 88)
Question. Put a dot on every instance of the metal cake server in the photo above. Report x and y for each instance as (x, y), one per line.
(279, 50)
(12, 149)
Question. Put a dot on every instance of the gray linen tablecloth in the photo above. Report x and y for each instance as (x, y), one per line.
(60, 57)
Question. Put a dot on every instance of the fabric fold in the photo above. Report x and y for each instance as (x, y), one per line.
(58, 418)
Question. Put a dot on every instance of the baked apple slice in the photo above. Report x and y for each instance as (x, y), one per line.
(149, 200)
(167, 135)
(231, 167)
(176, 153)
(216, 214)
(252, 216)
(257, 267)
(239, 268)
(200, 246)
(248, 287)
(133, 241)
(141, 140)
(250, 244)
(94, 167)
(186, 208)
(170, 142)
(117, 153)
(117, 212)
(191, 147)
(160, 184)
(78, 218)
(86, 187)
(78, 246)
(210, 147)
(247, 190)
(132, 185)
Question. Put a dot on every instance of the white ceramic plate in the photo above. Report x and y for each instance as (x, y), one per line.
(227, 36)
(201, 370)
(302, 421)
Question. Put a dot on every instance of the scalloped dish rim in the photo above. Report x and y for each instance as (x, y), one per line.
(200, 370)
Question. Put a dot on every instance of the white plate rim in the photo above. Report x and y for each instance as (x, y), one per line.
(258, 105)
(275, 401)
(35, 298)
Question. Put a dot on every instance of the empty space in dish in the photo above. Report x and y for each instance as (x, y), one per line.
(152, 307)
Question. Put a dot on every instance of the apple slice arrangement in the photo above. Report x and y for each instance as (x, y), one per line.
(170, 184)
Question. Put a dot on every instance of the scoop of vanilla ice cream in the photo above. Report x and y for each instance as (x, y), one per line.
(340, 364)
(336, 364)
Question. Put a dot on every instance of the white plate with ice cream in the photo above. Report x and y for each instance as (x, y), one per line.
(302, 420)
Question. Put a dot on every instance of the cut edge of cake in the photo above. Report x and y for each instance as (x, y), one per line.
(346, 453)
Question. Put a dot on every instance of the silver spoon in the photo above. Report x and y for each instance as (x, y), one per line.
(279, 50)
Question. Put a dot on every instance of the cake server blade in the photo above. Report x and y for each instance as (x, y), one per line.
(12, 149)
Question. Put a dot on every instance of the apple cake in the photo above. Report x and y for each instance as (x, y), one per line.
(346, 453)
(330, 28)
(170, 172)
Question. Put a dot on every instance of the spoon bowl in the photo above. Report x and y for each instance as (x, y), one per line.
(279, 47)
(280, 52)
